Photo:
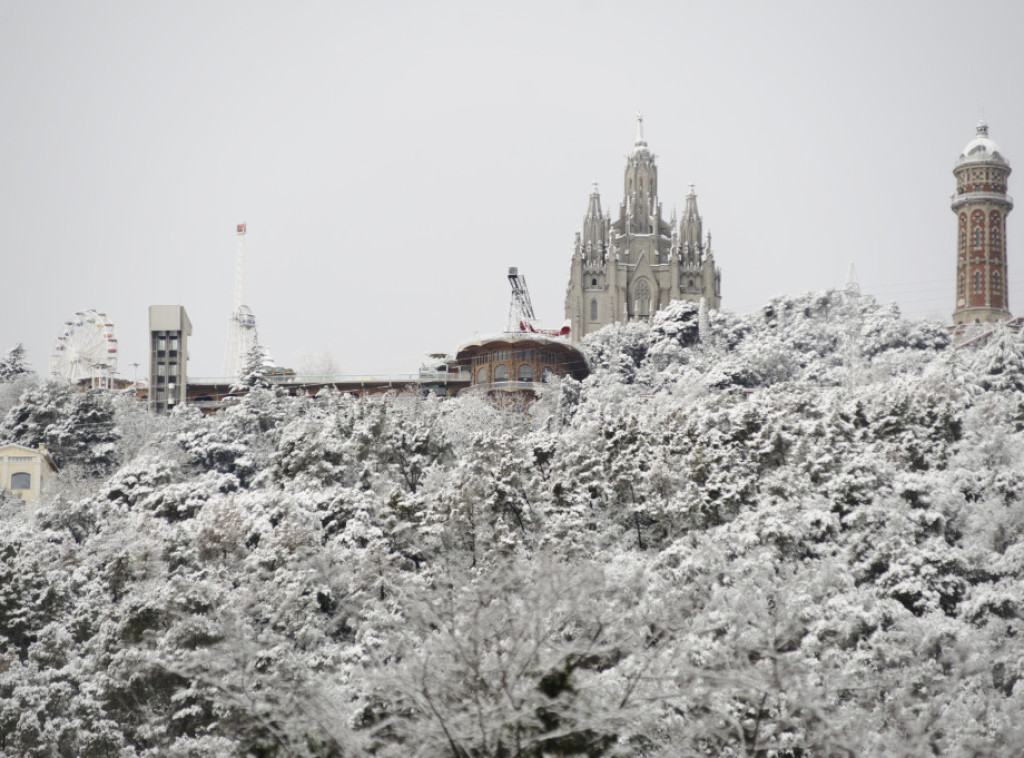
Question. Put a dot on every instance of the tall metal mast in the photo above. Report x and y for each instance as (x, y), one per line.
(241, 322)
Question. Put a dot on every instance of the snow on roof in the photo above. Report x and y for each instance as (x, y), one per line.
(981, 148)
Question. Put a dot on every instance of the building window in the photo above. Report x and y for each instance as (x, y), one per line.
(525, 373)
(977, 236)
(21, 481)
(960, 286)
(642, 298)
(593, 310)
(501, 373)
(481, 375)
(977, 281)
(995, 282)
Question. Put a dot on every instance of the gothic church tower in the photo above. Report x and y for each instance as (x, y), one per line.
(981, 205)
(628, 269)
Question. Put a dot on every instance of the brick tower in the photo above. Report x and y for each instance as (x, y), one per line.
(981, 205)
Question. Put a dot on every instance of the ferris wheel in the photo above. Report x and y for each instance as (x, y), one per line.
(86, 348)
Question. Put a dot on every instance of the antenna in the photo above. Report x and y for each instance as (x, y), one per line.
(852, 285)
(241, 322)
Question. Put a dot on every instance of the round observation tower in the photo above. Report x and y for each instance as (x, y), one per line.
(981, 205)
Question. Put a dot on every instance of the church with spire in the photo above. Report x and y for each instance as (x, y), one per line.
(628, 269)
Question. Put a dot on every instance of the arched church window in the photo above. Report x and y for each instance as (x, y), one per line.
(481, 375)
(21, 481)
(501, 373)
(525, 373)
(593, 310)
(642, 298)
(593, 282)
(977, 281)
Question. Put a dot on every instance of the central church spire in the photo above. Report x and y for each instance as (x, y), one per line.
(641, 186)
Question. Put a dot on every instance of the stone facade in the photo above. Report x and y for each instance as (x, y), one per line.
(628, 269)
(981, 205)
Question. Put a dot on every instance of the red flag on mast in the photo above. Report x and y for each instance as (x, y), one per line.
(241, 228)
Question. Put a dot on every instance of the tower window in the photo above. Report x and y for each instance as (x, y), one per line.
(593, 310)
(593, 282)
(960, 286)
(995, 228)
(977, 236)
(977, 281)
(995, 282)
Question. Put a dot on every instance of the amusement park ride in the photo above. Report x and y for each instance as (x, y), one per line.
(86, 349)
(520, 309)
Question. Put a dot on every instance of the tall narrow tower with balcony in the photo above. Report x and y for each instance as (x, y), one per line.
(981, 205)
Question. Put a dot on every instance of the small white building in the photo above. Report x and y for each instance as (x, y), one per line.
(24, 471)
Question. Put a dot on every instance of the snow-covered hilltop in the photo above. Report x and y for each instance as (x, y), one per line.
(794, 533)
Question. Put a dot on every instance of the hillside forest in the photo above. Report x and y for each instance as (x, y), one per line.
(794, 533)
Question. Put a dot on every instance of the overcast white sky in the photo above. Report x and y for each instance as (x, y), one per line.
(393, 159)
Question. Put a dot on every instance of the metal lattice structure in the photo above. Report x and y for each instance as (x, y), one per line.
(520, 309)
(242, 321)
(86, 349)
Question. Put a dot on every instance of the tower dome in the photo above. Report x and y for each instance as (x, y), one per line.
(981, 149)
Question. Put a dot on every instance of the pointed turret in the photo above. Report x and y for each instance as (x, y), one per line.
(690, 225)
(595, 229)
